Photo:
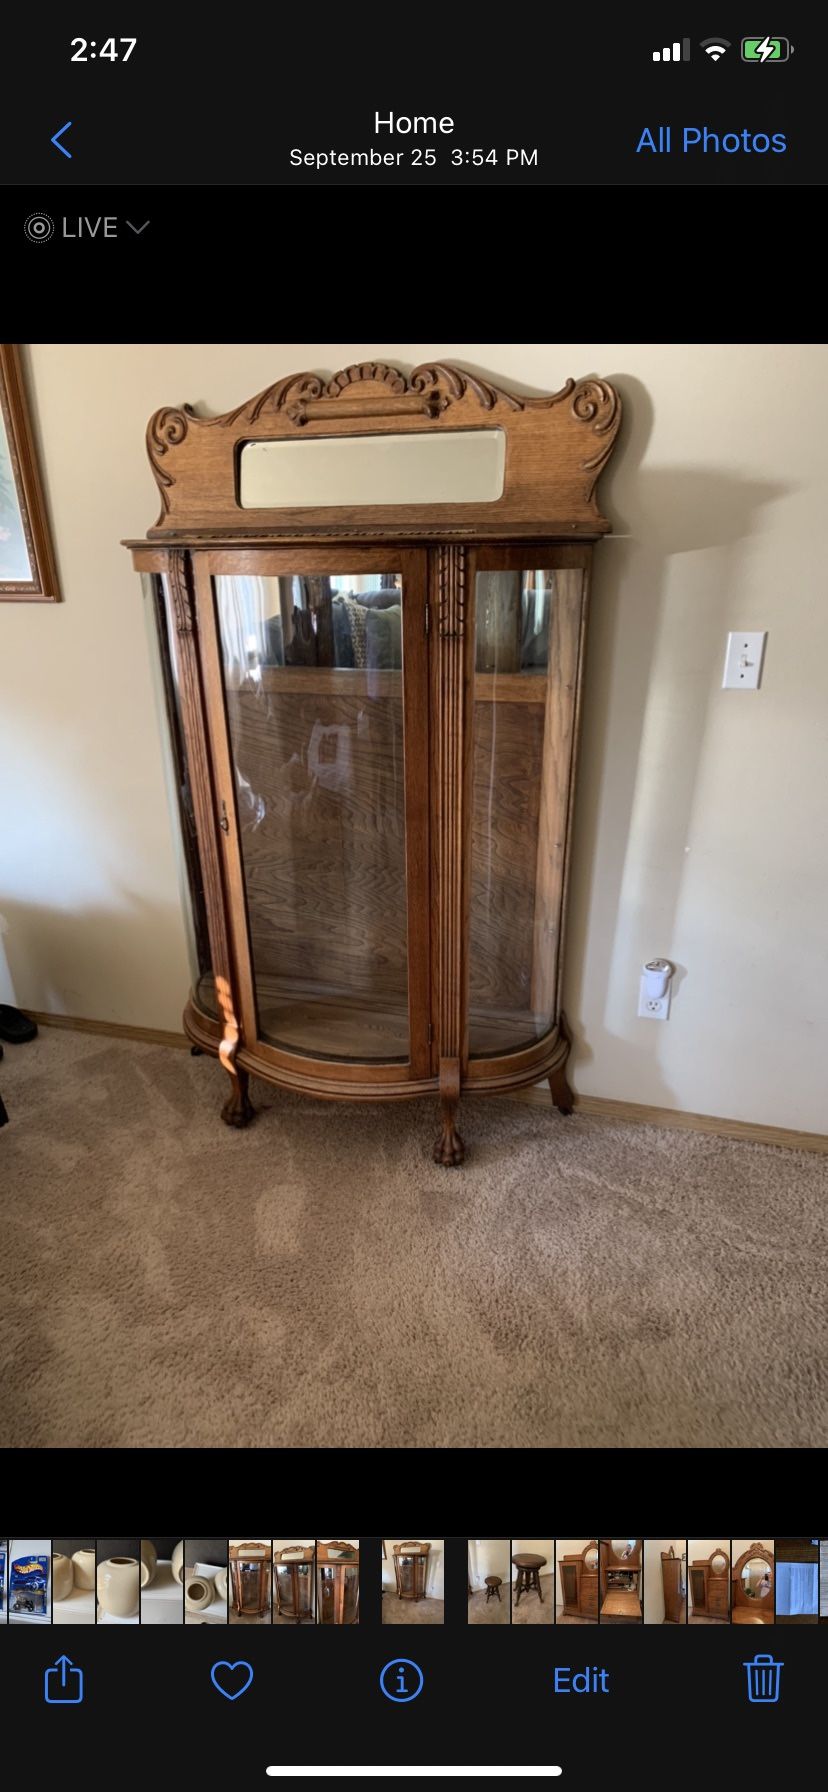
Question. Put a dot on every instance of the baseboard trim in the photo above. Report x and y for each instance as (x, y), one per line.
(601, 1107)
(114, 1029)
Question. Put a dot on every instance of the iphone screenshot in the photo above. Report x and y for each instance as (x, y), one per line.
(413, 893)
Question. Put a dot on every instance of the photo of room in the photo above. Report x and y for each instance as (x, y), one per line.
(752, 1581)
(294, 1581)
(577, 1580)
(619, 1580)
(489, 1576)
(797, 1580)
(533, 1580)
(412, 1580)
(665, 1580)
(708, 1580)
(823, 1581)
(237, 877)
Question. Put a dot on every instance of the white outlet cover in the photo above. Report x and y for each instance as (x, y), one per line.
(743, 660)
(648, 1007)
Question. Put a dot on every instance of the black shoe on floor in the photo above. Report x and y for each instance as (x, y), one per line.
(15, 1028)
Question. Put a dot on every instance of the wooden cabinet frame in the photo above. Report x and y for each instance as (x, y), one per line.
(547, 516)
(709, 1587)
(579, 1582)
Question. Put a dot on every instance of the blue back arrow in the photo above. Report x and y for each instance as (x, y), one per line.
(58, 145)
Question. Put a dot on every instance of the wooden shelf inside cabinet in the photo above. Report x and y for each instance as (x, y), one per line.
(379, 853)
(323, 681)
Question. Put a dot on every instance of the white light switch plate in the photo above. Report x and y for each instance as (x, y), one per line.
(743, 660)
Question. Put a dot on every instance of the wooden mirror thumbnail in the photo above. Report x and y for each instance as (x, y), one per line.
(752, 1586)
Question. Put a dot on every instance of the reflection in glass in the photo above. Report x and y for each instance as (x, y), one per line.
(757, 1578)
(527, 632)
(313, 680)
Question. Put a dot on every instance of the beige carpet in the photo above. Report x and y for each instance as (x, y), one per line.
(317, 1280)
(489, 1611)
(412, 1611)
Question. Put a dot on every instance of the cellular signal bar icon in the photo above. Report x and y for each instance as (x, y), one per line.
(677, 52)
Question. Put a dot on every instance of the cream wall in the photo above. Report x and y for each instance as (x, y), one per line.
(535, 1546)
(698, 835)
(434, 1570)
(488, 1555)
(653, 1577)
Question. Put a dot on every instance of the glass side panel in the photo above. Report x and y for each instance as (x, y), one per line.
(527, 633)
(167, 683)
(313, 681)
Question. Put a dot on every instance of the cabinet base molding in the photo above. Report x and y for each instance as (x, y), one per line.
(599, 1107)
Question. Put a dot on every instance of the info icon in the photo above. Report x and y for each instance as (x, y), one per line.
(401, 1681)
(39, 227)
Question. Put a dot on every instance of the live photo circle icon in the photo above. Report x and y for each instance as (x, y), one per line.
(39, 227)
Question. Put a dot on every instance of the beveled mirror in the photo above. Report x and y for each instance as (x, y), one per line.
(465, 467)
(718, 1562)
(591, 1557)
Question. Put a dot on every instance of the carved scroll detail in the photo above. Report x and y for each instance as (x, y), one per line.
(184, 448)
(166, 429)
(182, 597)
(597, 403)
(452, 592)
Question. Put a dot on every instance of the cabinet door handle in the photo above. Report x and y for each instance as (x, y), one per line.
(224, 823)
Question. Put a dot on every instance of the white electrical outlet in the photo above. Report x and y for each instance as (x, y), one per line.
(652, 1007)
(743, 660)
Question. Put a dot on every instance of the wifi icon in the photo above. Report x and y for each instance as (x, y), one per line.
(714, 47)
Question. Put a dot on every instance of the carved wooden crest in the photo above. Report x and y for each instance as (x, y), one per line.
(556, 446)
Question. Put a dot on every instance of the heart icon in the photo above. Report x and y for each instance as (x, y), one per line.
(228, 1671)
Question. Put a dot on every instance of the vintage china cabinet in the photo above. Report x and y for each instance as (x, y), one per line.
(411, 1568)
(371, 594)
(293, 1582)
(249, 1578)
(337, 1583)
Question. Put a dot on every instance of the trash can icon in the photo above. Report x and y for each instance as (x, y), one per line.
(763, 1679)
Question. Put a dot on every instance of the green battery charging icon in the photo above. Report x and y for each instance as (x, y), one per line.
(766, 49)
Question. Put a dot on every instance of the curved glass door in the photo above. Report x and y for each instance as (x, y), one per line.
(312, 666)
(527, 644)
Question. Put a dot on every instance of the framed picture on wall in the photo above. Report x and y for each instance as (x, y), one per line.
(27, 563)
